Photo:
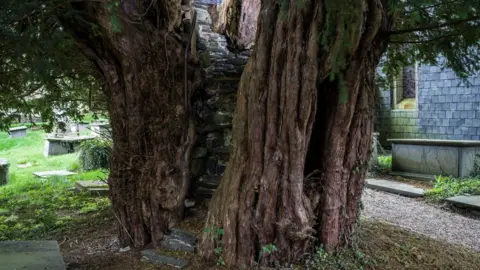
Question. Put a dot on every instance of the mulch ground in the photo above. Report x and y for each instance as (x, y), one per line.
(94, 245)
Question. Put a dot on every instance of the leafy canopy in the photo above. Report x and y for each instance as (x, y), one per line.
(41, 68)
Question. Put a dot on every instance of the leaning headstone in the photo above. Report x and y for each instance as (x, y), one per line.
(30, 255)
(179, 240)
(155, 258)
(3, 171)
(48, 174)
(18, 132)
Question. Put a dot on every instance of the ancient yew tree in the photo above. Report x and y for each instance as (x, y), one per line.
(139, 52)
(303, 122)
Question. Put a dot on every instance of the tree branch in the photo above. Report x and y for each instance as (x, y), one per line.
(432, 26)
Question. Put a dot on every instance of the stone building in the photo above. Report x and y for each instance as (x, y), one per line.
(428, 102)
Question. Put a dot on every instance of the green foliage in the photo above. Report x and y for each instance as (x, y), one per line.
(446, 186)
(384, 164)
(217, 233)
(427, 29)
(95, 154)
(475, 173)
(41, 67)
(344, 259)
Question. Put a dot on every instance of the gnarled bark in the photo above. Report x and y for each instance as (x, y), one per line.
(237, 19)
(137, 48)
(285, 94)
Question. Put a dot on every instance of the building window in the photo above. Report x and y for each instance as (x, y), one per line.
(405, 89)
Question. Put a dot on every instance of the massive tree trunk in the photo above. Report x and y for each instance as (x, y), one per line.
(137, 47)
(301, 137)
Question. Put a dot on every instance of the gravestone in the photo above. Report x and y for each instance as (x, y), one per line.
(30, 255)
(179, 240)
(158, 259)
(63, 145)
(48, 174)
(92, 186)
(79, 128)
(18, 132)
(3, 171)
(100, 129)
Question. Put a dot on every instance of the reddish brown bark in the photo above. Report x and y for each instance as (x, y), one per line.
(153, 133)
(285, 93)
(238, 20)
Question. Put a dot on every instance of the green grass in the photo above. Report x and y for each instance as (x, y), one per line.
(32, 208)
(446, 187)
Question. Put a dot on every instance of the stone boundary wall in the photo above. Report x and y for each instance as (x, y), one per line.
(447, 109)
(222, 71)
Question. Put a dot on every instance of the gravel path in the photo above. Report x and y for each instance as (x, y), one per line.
(422, 218)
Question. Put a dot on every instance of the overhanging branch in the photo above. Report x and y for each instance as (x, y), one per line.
(432, 26)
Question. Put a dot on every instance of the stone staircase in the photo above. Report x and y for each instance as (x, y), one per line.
(222, 71)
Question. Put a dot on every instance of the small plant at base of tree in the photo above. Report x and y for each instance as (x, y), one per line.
(217, 234)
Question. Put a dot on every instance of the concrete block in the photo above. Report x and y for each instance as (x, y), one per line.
(18, 132)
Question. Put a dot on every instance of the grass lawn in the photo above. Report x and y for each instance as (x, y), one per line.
(31, 207)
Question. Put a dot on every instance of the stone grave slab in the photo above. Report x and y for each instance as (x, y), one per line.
(179, 240)
(92, 186)
(63, 145)
(18, 132)
(395, 187)
(48, 174)
(156, 258)
(466, 201)
(30, 255)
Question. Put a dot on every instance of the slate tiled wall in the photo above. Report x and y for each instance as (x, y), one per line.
(447, 109)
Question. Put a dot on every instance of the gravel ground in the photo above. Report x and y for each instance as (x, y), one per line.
(418, 216)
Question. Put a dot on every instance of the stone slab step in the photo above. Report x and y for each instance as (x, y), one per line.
(179, 240)
(30, 255)
(53, 174)
(395, 187)
(466, 201)
(158, 259)
(414, 176)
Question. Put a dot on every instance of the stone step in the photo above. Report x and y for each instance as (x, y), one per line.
(158, 259)
(395, 187)
(414, 176)
(472, 202)
(30, 255)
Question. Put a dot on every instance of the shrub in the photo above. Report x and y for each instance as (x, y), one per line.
(95, 154)
(446, 186)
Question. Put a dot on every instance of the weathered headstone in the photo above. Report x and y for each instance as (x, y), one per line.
(374, 156)
(18, 132)
(30, 255)
(3, 171)
(155, 258)
(48, 174)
